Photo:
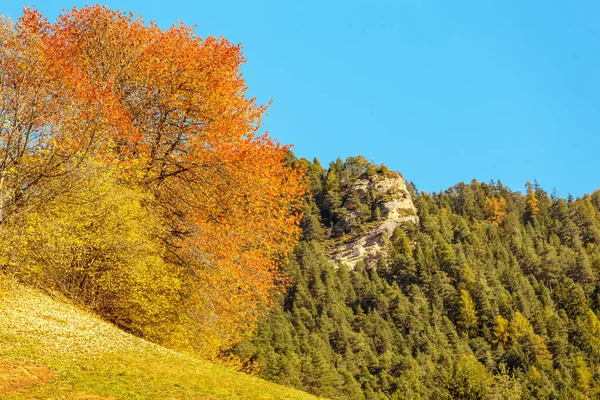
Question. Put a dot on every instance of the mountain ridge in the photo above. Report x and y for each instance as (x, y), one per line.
(491, 294)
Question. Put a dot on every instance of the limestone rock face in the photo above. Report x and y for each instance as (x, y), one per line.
(396, 207)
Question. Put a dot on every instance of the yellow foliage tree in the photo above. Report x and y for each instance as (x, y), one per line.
(521, 331)
(583, 375)
(468, 316)
(592, 332)
(532, 204)
(520, 326)
(501, 333)
(495, 210)
(538, 348)
(99, 246)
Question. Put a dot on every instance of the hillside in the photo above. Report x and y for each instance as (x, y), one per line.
(52, 350)
(487, 293)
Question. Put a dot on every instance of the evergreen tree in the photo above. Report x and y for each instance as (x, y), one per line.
(492, 294)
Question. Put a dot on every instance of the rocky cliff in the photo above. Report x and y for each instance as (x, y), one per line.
(395, 208)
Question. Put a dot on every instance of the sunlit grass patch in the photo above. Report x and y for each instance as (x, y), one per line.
(93, 358)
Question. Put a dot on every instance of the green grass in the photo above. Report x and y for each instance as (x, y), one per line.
(91, 357)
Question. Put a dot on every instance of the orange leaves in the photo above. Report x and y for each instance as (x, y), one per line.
(33, 24)
(169, 110)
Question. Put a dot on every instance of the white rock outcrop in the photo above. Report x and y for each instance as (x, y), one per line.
(396, 208)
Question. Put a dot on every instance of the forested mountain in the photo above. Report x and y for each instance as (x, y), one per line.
(493, 293)
(135, 180)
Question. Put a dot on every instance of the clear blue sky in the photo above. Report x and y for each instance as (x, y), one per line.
(443, 91)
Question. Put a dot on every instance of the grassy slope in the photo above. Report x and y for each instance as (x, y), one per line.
(91, 357)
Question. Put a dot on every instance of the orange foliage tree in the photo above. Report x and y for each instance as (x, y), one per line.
(168, 110)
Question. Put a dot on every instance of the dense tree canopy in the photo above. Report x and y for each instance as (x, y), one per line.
(166, 112)
(493, 294)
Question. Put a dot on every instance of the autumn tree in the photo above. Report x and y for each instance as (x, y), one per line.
(43, 133)
(501, 331)
(520, 326)
(468, 316)
(100, 246)
(495, 210)
(532, 203)
(168, 111)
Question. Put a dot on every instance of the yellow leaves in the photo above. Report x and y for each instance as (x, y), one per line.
(467, 310)
(583, 376)
(495, 210)
(532, 203)
(99, 246)
(501, 332)
(520, 332)
(539, 349)
(3, 285)
(520, 326)
(178, 166)
(534, 375)
(592, 332)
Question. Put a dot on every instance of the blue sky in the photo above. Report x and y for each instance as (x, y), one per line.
(441, 91)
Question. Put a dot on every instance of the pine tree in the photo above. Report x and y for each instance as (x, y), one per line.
(532, 208)
(468, 316)
(495, 210)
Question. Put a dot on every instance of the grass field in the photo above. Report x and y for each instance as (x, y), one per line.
(53, 350)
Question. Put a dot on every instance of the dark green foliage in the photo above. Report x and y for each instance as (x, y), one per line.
(424, 323)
